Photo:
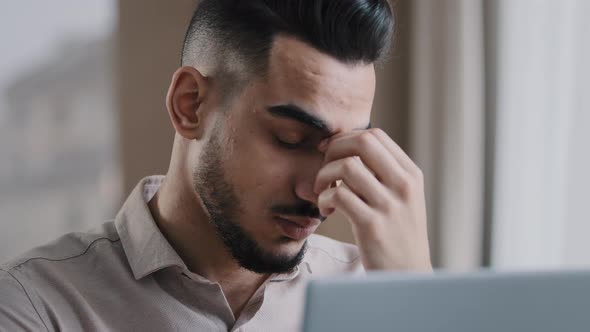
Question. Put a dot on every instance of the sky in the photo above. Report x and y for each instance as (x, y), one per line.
(31, 30)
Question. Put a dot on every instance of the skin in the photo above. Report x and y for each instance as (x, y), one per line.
(381, 192)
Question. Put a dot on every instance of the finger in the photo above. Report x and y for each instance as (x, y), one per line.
(356, 176)
(372, 153)
(345, 201)
(402, 157)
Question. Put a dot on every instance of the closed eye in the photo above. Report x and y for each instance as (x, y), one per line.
(288, 145)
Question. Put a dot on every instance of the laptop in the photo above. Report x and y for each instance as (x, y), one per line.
(484, 301)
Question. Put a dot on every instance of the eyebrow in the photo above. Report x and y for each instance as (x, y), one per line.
(296, 113)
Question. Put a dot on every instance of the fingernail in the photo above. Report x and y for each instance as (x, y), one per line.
(328, 212)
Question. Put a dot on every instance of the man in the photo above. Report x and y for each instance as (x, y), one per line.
(271, 108)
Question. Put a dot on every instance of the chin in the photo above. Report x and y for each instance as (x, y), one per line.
(286, 246)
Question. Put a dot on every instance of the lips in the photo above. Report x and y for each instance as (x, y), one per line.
(297, 228)
(302, 221)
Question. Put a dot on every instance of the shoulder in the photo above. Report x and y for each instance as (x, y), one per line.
(43, 275)
(67, 247)
(17, 311)
(326, 255)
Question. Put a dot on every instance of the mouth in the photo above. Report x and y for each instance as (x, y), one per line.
(297, 228)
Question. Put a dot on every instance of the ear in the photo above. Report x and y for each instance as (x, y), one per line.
(184, 101)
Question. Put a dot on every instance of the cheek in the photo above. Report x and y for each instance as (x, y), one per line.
(258, 153)
(256, 165)
(265, 168)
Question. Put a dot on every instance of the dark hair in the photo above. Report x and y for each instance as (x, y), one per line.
(349, 30)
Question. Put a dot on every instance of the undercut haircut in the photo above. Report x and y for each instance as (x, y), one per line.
(232, 39)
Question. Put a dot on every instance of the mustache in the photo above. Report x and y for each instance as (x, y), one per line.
(304, 209)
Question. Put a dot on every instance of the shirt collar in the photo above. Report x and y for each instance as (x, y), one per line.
(290, 276)
(146, 248)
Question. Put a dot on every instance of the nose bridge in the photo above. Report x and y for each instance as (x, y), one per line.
(306, 175)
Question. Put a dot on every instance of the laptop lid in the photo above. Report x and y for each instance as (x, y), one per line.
(484, 302)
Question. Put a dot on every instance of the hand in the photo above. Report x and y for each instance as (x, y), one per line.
(382, 195)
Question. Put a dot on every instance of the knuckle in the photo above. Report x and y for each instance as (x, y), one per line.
(405, 189)
(348, 165)
(339, 195)
(383, 201)
(366, 140)
(376, 131)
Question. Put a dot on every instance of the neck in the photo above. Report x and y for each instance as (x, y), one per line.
(181, 217)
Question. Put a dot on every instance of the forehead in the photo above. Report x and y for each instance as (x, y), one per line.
(341, 94)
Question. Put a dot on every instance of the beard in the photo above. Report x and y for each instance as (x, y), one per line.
(222, 204)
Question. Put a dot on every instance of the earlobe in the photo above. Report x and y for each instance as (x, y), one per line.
(184, 101)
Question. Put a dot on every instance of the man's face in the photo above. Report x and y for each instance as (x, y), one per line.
(257, 171)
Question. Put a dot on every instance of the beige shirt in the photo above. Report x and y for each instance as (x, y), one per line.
(125, 276)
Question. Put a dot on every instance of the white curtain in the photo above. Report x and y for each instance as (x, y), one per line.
(540, 215)
(447, 125)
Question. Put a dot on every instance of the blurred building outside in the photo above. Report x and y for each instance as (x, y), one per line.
(60, 166)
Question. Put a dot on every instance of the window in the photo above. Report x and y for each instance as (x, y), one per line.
(59, 168)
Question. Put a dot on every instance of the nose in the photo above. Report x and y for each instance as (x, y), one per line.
(306, 179)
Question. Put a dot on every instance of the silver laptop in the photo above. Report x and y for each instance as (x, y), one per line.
(476, 302)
